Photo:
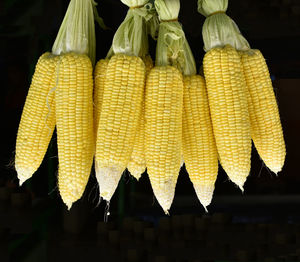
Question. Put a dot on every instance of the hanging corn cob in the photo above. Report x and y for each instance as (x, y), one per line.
(137, 163)
(266, 131)
(38, 119)
(123, 93)
(74, 123)
(199, 147)
(61, 93)
(227, 91)
(163, 104)
(75, 44)
(163, 110)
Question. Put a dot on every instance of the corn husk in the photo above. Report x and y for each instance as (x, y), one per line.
(131, 38)
(77, 31)
(219, 29)
(172, 46)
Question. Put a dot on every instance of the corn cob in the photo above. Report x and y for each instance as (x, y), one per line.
(266, 130)
(163, 129)
(38, 119)
(137, 163)
(121, 108)
(99, 80)
(74, 120)
(227, 96)
(199, 147)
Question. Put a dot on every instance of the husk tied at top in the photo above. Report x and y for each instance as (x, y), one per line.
(172, 46)
(219, 29)
(131, 38)
(77, 31)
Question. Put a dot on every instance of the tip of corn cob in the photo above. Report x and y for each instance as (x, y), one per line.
(24, 174)
(21, 181)
(68, 204)
(275, 168)
(205, 194)
(238, 177)
(240, 183)
(68, 195)
(164, 193)
(108, 179)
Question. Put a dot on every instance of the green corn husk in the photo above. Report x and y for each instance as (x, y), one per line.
(219, 29)
(172, 46)
(131, 38)
(77, 31)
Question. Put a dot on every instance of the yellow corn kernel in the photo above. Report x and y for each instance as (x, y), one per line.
(120, 115)
(137, 163)
(266, 130)
(74, 122)
(163, 129)
(198, 142)
(99, 79)
(38, 119)
(227, 95)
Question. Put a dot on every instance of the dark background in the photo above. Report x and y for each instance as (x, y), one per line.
(260, 225)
